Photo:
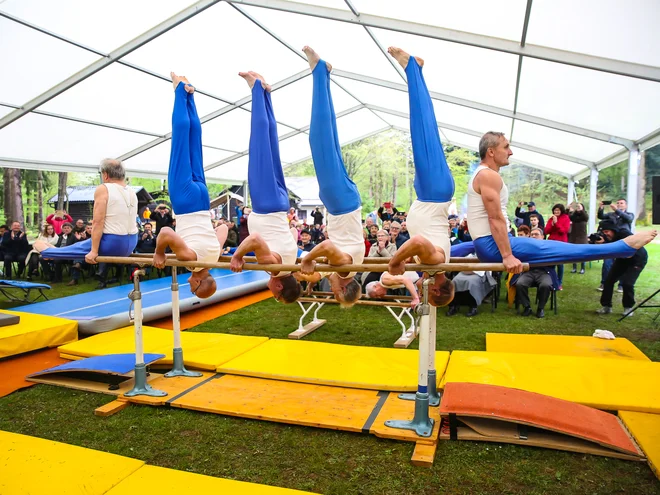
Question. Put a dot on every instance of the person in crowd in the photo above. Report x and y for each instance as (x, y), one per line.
(464, 231)
(487, 200)
(534, 222)
(622, 220)
(270, 236)
(243, 229)
(317, 216)
(147, 240)
(87, 233)
(387, 212)
(15, 247)
(232, 235)
(48, 235)
(524, 231)
(292, 216)
(57, 219)
(3, 228)
(624, 270)
(557, 230)
(162, 216)
(542, 277)
(195, 239)
(66, 238)
(79, 227)
(386, 225)
(427, 218)
(317, 234)
(404, 228)
(306, 243)
(373, 234)
(396, 236)
(382, 248)
(368, 222)
(578, 233)
(367, 244)
(470, 289)
(531, 210)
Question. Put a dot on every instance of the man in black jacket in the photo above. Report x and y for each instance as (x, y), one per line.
(531, 209)
(624, 270)
(15, 248)
(623, 221)
(162, 216)
(146, 240)
(318, 216)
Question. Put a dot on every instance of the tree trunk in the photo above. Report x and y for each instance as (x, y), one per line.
(641, 188)
(16, 198)
(61, 190)
(40, 199)
(29, 205)
(394, 184)
(7, 194)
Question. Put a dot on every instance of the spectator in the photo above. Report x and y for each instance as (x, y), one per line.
(87, 234)
(534, 222)
(386, 225)
(453, 229)
(557, 230)
(48, 235)
(373, 234)
(578, 233)
(523, 231)
(243, 231)
(292, 216)
(66, 238)
(369, 221)
(317, 234)
(542, 277)
(232, 235)
(15, 249)
(57, 219)
(367, 244)
(464, 231)
(624, 270)
(531, 209)
(404, 228)
(470, 288)
(3, 228)
(622, 220)
(147, 240)
(305, 242)
(80, 226)
(396, 236)
(387, 212)
(317, 216)
(382, 248)
(162, 216)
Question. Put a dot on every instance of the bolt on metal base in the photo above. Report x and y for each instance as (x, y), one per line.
(141, 386)
(178, 369)
(421, 423)
(434, 395)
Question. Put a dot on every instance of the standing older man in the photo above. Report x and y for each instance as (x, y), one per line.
(114, 232)
(489, 225)
(531, 210)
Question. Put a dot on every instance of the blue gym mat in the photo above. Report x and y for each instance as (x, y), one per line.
(111, 364)
(107, 309)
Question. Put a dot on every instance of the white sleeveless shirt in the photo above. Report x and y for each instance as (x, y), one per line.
(275, 231)
(197, 231)
(345, 232)
(121, 211)
(477, 214)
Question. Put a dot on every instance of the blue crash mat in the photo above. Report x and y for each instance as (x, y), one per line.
(111, 364)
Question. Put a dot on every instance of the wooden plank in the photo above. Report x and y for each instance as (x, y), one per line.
(307, 329)
(87, 385)
(404, 341)
(110, 408)
(173, 386)
(424, 454)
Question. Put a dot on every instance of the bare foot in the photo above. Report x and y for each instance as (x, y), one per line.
(403, 57)
(39, 246)
(640, 239)
(251, 77)
(313, 58)
(177, 79)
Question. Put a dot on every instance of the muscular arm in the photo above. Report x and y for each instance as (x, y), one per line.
(421, 247)
(333, 253)
(98, 218)
(256, 243)
(169, 238)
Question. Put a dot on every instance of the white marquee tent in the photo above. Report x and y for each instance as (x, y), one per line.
(575, 84)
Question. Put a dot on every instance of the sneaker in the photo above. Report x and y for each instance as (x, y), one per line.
(527, 311)
(600, 289)
(619, 289)
(582, 272)
(605, 310)
(628, 312)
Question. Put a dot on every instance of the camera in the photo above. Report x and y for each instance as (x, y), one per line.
(607, 203)
(596, 236)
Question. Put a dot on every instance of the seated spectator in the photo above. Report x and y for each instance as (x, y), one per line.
(453, 228)
(162, 216)
(87, 233)
(367, 245)
(57, 219)
(317, 234)
(464, 231)
(470, 288)
(523, 231)
(243, 231)
(66, 238)
(386, 225)
(3, 228)
(404, 228)
(396, 236)
(48, 235)
(79, 227)
(292, 216)
(15, 248)
(382, 248)
(305, 243)
(534, 222)
(373, 234)
(232, 236)
(542, 277)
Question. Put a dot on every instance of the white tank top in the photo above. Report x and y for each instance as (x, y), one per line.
(345, 232)
(477, 215)
(197, 231)
(275, 231)
(412, 276)
(121, 211)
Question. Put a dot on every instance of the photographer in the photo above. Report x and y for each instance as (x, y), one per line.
(15, 248)
(162, 216)
(524, 215)
(387, 212)
(624, 270)
(622, 220)
(147, 240)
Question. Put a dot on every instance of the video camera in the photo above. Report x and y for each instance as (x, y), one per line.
(597, 236)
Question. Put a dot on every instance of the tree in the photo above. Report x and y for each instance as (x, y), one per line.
(61, 191)
(13, 195)
(39, 220)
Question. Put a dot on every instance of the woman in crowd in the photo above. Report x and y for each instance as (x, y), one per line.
(557, 230)
(48, 235)
(578, 234)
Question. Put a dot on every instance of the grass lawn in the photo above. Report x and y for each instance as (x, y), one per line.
(342, 463)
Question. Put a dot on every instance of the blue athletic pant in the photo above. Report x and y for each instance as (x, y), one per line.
(433, 180)
(111, 245)
(534, 251)
(337, 191)
(267, 187)
(186, 182)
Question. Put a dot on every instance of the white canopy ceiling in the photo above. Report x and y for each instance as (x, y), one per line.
(574, 84)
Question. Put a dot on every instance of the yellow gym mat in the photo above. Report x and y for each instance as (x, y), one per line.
(645, 428)
(563, 345)
(372, 368)
(37, 466)
(203, 351)
(612, 384)
(153, 479)
(35, 332)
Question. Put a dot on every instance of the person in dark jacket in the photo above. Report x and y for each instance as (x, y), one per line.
(232, 235)
(66, 238)
(318, 216)
(578, 233)
(622, 220)
(387, 212)
(146, 240)
(531, 209)
(243, 231)
(15, 248)
(162, 216)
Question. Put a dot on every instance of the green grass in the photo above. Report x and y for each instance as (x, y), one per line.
(341, 463)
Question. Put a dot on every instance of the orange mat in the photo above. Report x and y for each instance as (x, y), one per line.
(14, 370)
(512, 405)
(191, 319)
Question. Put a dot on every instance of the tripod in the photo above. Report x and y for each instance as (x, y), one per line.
(644, 305)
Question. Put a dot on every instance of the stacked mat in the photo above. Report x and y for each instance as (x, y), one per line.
(35, 332)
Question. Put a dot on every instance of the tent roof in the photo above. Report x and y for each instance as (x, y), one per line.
(573, 84)
(85, 194)
(305, 188)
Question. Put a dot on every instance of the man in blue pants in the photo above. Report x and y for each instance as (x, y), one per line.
(338, 192)
(427, 220)
(270, 236)
(195, 238)
(489, 224)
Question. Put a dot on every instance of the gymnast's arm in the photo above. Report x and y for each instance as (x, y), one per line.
(168, 238)
(417, 246)
(256, 243)
(389, 280)
(335, 256)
